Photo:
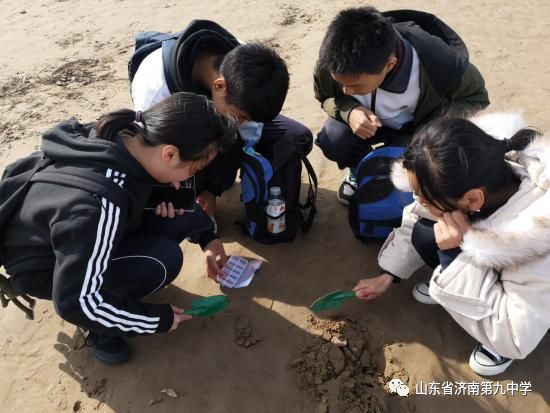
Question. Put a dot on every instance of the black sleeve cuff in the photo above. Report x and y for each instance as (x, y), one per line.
(211, 187)
(446, 257)
(396, 279)
(166, 315)
(207, 237)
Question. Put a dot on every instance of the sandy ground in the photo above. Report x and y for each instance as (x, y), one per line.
(68, 57)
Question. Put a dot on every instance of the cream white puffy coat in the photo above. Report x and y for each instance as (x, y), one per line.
(498, 288)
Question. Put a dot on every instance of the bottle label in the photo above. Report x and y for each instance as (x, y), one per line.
(277, 224)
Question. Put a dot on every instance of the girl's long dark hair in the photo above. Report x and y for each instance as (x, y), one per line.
(186, 120)
(451, 156)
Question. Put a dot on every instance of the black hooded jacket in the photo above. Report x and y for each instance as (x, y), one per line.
(179, 55)
(60, 241)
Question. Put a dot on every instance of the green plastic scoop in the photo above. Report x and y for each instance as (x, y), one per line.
(207, 306)
(331, 301)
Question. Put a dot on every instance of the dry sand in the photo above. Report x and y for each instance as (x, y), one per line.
(265, 354)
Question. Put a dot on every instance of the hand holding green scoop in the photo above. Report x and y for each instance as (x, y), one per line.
(207, 306)
(331, 301)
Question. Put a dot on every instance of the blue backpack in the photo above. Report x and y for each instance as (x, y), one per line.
(377, 206)
(282, 167)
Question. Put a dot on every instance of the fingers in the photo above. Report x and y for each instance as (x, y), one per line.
(167, 210)
(360, 285)
(374, 120)
(212, 268)
(162, 210)
(222, 254)
(177, 310)
(176, 185)
(366, 128)
(461, 220)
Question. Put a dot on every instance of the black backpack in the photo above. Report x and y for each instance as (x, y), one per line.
(14, 185)
(280, 166)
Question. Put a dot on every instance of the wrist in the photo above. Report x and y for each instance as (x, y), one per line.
(387, 278)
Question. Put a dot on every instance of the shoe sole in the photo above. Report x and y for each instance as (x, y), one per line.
(483, 370)
(112, 361)
(422, 298)
(342, 200)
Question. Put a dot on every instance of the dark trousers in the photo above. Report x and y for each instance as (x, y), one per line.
(341, 145)
(423, 241)
(144, 262)
(151, 258)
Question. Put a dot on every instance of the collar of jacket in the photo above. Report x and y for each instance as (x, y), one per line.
(398, 78)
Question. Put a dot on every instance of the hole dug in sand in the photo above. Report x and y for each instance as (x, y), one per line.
(341, 370)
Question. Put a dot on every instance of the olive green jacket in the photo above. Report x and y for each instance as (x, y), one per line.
(469, 97)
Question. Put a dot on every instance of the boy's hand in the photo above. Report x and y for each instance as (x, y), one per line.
(207, 201)
(371, 288)
(215, 258)
(166, 210)
(450, 229)
(178, 317)
(363, 122)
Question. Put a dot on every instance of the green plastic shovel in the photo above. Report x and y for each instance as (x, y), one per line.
(331, 301)
(207, 306)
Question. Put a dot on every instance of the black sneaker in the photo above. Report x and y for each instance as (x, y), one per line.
(108, 349)
(347, 189)
(488, 363)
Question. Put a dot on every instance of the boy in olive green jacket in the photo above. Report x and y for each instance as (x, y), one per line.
(382, 75)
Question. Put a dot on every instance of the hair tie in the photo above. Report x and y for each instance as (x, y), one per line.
(507, 145)
(138, 117)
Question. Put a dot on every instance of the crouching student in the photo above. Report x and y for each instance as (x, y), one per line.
(481, 222)
(81, 237)
(246, 81)
(382, 75)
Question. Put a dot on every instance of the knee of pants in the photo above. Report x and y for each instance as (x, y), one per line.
(337, 142)
(304, 137)
(423, 241)
(173, 261)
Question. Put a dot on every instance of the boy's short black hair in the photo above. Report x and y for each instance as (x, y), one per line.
(257, 80)
(359, 40)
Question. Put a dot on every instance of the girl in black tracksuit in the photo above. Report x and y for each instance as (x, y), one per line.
(81, 236)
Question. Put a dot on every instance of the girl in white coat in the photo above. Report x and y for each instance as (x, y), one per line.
(481, 221)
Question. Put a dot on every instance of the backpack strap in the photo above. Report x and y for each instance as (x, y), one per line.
(285, 147)
(8, 294)
(166, 48)
(311, 194)
(73, 177)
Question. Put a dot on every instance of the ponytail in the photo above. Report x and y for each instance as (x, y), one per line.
(112, 123)
(520, 139)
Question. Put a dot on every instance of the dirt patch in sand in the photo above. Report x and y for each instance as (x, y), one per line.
(15, 86)
(81, 71)
(341, 369)
(244, 336)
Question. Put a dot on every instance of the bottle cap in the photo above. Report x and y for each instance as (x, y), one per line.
(275, 191)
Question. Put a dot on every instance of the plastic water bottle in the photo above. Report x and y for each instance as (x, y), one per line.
(275, 211)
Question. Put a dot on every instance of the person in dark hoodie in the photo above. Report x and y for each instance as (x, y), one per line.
(82, 237)
(246, 81)
(382, 75)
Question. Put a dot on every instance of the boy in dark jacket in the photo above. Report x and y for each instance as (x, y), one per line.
(382, 75)
(248, 82)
